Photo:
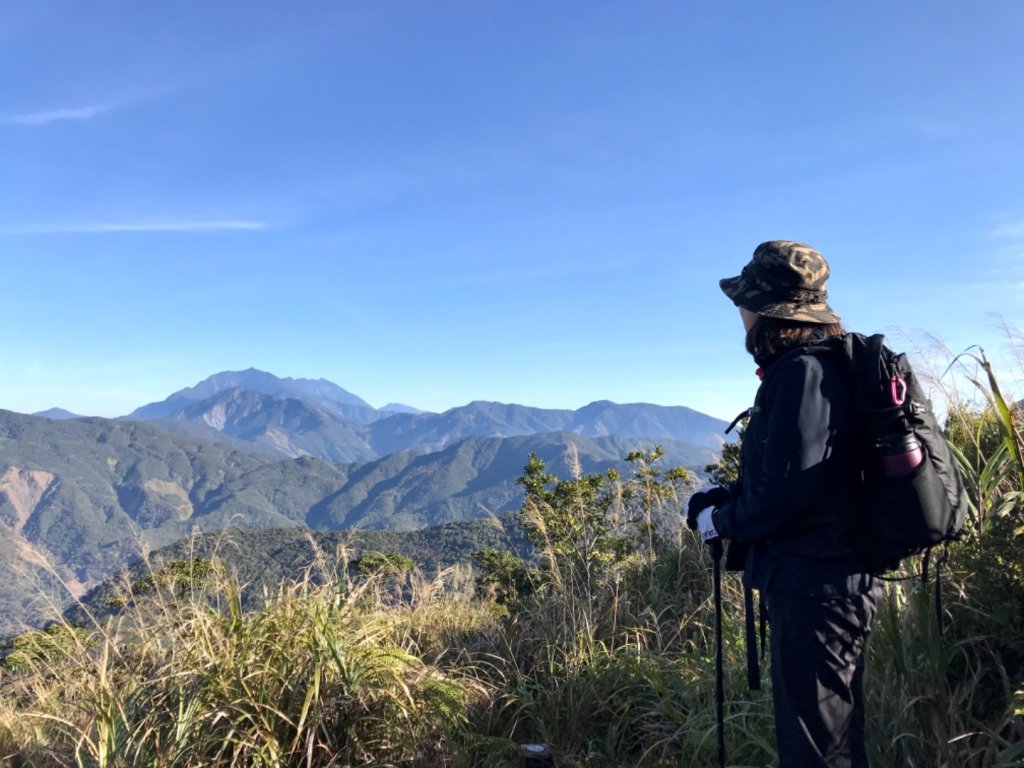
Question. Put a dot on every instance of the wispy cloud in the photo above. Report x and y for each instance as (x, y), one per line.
(55, 115)
(213, 225)
(216, 225)
(1008, 248)
(1010, 229)
(1004, 271)
(98, 107)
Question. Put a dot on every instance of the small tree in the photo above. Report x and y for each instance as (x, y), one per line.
(585, 527)
(181, 577)
(503, 575)
(378, 563)
(727, 469)
(42, 649)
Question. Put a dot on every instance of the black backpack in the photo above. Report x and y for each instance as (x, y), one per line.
(913, 494)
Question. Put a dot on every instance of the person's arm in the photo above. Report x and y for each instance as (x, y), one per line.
(797, 435)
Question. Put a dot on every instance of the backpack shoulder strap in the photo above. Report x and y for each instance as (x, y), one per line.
(841, 347)
(862, 357)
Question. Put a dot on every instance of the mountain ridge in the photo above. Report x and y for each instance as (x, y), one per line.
(281, 417)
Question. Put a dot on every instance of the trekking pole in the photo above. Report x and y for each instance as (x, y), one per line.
(715, 550)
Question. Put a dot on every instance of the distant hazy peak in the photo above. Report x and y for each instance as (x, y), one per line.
(400, 408)
(268, 384)
(57, 414)
(318, 394)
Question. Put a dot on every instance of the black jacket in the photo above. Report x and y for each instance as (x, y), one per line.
(799, 485)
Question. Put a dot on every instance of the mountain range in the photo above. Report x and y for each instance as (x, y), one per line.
(296, 417)
(82, 497)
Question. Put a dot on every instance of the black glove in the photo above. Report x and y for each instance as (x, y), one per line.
(713, 497)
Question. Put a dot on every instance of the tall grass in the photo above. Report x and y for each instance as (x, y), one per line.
(313, 678)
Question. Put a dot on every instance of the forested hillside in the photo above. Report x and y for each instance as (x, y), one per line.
(88, 496)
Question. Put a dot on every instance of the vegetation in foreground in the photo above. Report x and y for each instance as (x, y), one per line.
(600, 647)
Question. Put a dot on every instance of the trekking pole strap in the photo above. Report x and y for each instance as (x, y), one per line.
(716, 554)
(939, 615)
(762, 618)
(753, 663)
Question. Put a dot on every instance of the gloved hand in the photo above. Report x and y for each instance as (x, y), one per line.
(709, 499)
(706, 526)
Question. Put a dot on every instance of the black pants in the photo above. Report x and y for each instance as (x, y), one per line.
(817, 645)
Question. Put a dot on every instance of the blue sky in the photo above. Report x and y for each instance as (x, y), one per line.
(434, 203)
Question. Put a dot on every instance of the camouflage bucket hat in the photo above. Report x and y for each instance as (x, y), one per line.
(786, 280)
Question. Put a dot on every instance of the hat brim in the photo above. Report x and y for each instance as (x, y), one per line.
(743, 294)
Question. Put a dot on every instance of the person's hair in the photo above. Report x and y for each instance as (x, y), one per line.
(769, 337)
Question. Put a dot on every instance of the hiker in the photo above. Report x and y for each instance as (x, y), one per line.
(790, 516)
